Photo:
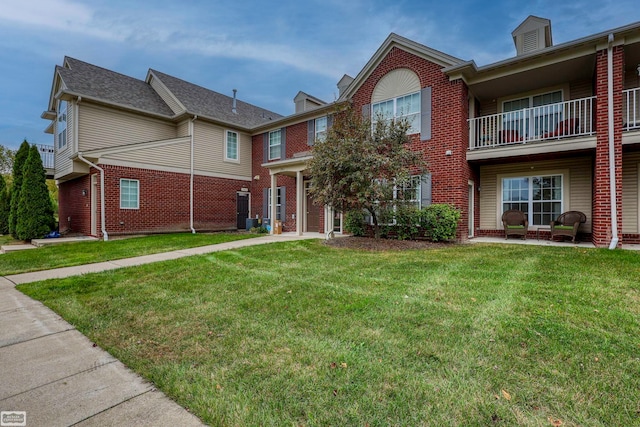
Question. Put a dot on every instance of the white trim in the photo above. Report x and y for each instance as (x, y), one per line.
(471, 222)
(137, 165)
(93, 190)
(226, 146)
(563, 89)
(137, 181)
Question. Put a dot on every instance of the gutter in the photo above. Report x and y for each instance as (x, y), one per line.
(102, 214)
(612, 162)
(191, 127)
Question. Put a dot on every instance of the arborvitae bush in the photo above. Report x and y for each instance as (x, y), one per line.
(5, 205)
(35, 213)
(18, 166)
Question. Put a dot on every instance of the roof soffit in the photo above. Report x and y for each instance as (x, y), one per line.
(394, 40)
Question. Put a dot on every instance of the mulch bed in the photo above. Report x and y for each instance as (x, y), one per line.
(371, 244)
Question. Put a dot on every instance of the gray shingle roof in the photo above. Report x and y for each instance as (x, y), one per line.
(207, 103)
(92, 81)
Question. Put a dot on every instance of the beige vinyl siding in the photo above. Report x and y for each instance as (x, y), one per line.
(102, 127)
(171, 156)
(183, 129)
(209, 150)
(166, 96)
(630, 190)
(578, 197)
(578, 90)
(488, 107)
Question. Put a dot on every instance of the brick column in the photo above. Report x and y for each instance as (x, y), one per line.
(601, 221)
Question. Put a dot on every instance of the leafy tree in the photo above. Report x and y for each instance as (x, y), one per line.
(6, 159)
(4, 207)
(35, 213)
(356, 168)
(18, 165)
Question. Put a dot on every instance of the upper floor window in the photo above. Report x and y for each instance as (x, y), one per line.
(231, 146)
(533, 115)
(61, 125)
(275, 144)
(403, 107)
(321, 129)
(129, 194)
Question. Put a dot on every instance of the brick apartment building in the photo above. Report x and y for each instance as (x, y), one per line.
(553, 129)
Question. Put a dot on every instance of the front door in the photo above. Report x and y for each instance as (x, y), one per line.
(312, 214)
(242, 210)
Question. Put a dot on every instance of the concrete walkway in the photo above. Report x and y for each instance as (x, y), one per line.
(59, 378)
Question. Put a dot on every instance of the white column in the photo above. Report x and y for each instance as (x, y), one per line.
(299, 202)
(274, 199)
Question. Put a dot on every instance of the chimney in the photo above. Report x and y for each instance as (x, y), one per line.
(234, 109)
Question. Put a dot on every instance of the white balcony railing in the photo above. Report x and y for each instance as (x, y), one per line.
(631, 109)
(547, 122)
(46, 153)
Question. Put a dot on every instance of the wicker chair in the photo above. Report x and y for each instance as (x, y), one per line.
(515, 223)
(567, 224)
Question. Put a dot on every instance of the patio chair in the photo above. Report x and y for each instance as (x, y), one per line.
(515, 223)
(508, 136)
(567, 224)
(566, 127)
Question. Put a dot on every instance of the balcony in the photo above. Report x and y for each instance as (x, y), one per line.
(47, 156)
(631, 109)
(551, 122)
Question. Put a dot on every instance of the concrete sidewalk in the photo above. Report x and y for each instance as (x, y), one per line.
(59, 378)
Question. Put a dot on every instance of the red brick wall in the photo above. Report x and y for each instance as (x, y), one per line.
(296, 142)
(74, 209)
(164, 202)
(449, 129)
(602, 231)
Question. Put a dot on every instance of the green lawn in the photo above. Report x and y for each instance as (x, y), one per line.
(78, 253)
(299, 333)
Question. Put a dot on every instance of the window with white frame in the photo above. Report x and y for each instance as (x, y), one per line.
(278, 203)
(533, 115)
(61, 125)
(539, 197)
(321, 129)
(410, 192)
(275, 144)
(231, 146)
(403, 107)
(129, 193)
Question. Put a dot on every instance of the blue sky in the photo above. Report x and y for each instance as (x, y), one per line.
(267, 50)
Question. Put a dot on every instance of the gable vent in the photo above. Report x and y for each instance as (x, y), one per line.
(530, 41)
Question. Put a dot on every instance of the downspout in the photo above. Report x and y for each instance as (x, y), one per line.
(612, 161)
(191, 127)
(102, 214)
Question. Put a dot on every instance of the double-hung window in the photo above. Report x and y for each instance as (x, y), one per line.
(403, 107)
(275, 144)
(321, 129)
(410, 192)
(539, 197)
(231, 146)
(129, 194)
(61, 126)
(278, 203)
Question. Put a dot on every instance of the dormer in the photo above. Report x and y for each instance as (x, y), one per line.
(306, 102)
(532, 35)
